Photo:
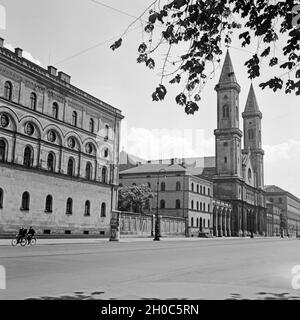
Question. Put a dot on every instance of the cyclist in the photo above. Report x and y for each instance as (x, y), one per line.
(30, 234)
(20, 234)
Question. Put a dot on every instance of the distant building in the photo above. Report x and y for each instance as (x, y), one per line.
(290, 206)
(274, 220)
(59, 151)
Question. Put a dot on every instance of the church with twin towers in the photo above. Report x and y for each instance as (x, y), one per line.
(239, 172)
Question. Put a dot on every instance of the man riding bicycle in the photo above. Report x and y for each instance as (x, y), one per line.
(30, 234)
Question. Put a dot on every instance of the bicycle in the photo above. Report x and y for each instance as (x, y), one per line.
(31, 240)
(19, 240)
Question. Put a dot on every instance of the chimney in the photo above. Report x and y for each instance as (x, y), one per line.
(18, 52)
(1, 42)
(64, 77)
(172, 161)
(52, 70)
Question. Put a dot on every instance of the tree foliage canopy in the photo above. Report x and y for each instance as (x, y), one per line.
(203, 27)
(135, 198)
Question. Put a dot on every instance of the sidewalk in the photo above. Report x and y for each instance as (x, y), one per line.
(7, 242)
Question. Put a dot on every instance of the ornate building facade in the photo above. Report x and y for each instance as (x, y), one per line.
(59, 151)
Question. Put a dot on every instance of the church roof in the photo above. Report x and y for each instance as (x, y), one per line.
(227, 74)
(251, 104)
(154, 168)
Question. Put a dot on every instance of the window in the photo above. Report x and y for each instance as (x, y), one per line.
(2, 150)
(203, 206)
(177, 204)
(225, 111)
(149, 185)
(105, 153)
(225, 159)
(106, 131)
(88, 171)
(197, 222)
(8, 90)
(178, 186)
(1, 198)
(249, 174)
(70, 171)
(192, 204)
(280, 200)
(162, 186)
(204, 223)
(25, 201)
(200, 206)
(74, 118)
(208, 191)
(51, 162)
(103, 210)
(237, 113)
(250, 134)
(197, 205)
(271, 200)
(204, 190)
(87, 208)
(192, 221)
(192, 186)
(69, 207)
(197, 188)
(201, 189)
(48, 206)
(162, 204)
(28, 157)
(208, 209)
(55, 110)
(200, 224)
(104, 175)
(91, 125)
(33, 100)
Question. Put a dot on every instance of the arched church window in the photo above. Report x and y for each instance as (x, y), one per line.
(225, 111)
(249, 174)
(250, 134)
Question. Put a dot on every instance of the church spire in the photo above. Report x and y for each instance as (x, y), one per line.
(227, 74)
(251, 104)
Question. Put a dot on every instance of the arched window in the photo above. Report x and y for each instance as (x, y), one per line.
(33, 100)
(208, 191)
(74, 118)
(203, 223)
(2, 151)
(177, 204)
(106, 131)
(208, 208)
(103, 209)
(197, 205)
(55, 110)
(104, 174)
(250, 134)
(204, 190)
(162, 204)
(1, 198)
(203, 206)
(91, 125)
(197, 188)
(200, 224)
(200, 206)
(237, 113)
(105, 153)
(25, 201)
(70, 171)
(197, 222)
(51, 162)
(162, 186)
(49, 201)
(8, 90)
(249, 174)
(28, 157)
(87, 208)
(192, 204)
(192, 187)
(225, 111)
(69, 207)
(178, 186)
(88, 171)
(201, 189)
(192, 221)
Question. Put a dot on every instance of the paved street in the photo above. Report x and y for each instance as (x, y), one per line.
(140, 268)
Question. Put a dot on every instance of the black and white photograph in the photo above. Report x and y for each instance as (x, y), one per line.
(149, 151)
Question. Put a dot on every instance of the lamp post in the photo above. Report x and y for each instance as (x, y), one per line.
(156, 237)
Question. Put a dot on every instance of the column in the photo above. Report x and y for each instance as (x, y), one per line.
(215, 222)
(228, 223)
(220, 231)
(224, 230)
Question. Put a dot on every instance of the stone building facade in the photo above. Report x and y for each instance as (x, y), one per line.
(289, 206)
(274, 220)
(59, 151)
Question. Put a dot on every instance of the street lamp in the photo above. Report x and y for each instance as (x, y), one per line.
(157, 231)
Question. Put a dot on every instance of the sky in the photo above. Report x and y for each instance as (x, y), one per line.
(75, 35)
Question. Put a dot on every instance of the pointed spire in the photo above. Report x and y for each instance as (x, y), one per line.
(251, 104)
(227, 74)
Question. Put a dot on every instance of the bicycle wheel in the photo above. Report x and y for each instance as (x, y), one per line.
(32, 241)
(23, 242)
(14, 242)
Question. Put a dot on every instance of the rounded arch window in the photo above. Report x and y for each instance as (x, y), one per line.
(4, 120)
(33, 100)
(51, 136)
(2, 150)
(29, 129)
(225, 111)
(89, 148)
(71, 143)
(8, 90)
(249, 174)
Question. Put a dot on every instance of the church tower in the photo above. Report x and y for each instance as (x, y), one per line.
(228, 135)
(252, 135)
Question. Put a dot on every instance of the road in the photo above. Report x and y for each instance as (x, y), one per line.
(169, 269)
